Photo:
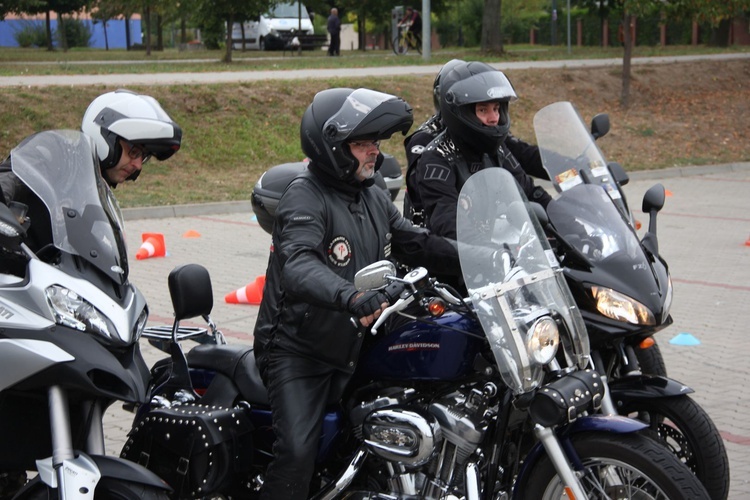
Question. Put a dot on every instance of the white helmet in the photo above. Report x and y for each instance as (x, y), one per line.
(136, 118)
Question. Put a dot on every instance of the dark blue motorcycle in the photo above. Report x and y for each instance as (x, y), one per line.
(489, 396)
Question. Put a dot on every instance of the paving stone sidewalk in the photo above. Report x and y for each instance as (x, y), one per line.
(704, 234)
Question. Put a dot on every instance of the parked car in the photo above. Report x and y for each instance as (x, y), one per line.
(275, 28)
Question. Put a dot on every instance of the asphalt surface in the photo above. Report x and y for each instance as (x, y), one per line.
(704, 234)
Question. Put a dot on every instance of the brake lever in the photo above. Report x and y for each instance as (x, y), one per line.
(397, 306)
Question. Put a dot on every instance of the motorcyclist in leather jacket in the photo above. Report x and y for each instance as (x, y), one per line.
(527, 154)
(330, 222)
(468, 144)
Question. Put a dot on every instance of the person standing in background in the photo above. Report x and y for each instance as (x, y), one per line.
(334, 28)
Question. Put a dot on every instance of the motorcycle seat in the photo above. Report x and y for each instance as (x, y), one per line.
(236, 362)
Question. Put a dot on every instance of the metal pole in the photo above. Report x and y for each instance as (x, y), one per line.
(568, 26)
(426, 31)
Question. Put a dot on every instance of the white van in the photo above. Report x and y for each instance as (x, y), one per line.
(274, 29)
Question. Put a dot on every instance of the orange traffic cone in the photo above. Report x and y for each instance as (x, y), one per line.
(249, 294)
(747, 242)
(153, 246)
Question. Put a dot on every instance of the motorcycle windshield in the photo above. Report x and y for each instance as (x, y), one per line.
(60, 168)
(520, 283)
(588, 220)
(568, 151)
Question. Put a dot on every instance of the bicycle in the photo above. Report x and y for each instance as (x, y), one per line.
(405, 40)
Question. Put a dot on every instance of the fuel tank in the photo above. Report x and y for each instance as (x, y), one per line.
(430, 349)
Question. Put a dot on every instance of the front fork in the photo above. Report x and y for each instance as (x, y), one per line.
(556, 455)
(73, 477)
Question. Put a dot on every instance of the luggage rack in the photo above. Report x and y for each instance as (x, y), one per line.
(161, 336)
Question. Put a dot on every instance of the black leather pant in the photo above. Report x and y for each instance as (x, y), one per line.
(299, 390)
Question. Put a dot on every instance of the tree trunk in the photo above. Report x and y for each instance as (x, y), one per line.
(48, 26)
(106, 38)
(127, 32)
(183, 30)
(228, 53)
(492, 36)
(362, 29)
(627, 42)
(148, 30)
(61, 32)
(159, 33)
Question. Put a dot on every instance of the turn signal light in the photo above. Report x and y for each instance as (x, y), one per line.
(647, 342)
(436, 307)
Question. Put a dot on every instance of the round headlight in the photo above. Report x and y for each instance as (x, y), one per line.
(542, 340)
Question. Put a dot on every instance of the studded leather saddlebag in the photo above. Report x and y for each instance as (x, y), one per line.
(194, 448)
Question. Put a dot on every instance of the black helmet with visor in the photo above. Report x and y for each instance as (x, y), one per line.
(339, 116)
(460, 90)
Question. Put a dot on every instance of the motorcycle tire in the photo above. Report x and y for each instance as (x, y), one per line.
(642, 467)
(651, 361)
(684, 427)
(106, 489)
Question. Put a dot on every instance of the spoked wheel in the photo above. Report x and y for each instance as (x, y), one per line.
(400, 46)
(684, 427)
(618, 466)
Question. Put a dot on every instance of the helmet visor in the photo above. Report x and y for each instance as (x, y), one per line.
(367, 113)
(482, 87)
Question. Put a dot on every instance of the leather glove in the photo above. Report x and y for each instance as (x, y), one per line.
(363, 304)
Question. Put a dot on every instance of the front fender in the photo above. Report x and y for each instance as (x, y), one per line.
(591, 423)
(97, 467)
(119, 468)
(626, 389)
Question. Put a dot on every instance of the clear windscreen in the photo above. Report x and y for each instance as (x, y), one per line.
(60, 168)
(518, 283)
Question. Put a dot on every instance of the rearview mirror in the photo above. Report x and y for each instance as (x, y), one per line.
(373, 276)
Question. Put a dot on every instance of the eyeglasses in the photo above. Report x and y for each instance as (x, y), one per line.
(137, 152)
(366, 145)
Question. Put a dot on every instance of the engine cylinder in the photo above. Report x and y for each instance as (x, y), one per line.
(408, 437)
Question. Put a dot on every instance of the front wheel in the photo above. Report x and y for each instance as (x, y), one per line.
(106, 489)
(685, 428)
(400, 46)
(618, 466)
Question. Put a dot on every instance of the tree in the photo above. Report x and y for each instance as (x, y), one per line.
(232, 11)
(711, 11)
(716, 14)
(492, 36)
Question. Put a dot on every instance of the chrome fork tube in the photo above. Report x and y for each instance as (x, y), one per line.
(559, 460)
(62, 438)
(95, 432)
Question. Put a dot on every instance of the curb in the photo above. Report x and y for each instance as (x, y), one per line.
(229, 207)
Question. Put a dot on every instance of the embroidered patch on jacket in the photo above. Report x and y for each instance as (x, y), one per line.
(418, 149)
(340, 251)
(436, 173)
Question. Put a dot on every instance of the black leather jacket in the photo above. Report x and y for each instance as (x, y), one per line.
(322, 236)
(443, 169)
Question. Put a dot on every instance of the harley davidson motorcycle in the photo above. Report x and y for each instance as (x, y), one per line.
(69, 327)
(489, 396)
(623, 289)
